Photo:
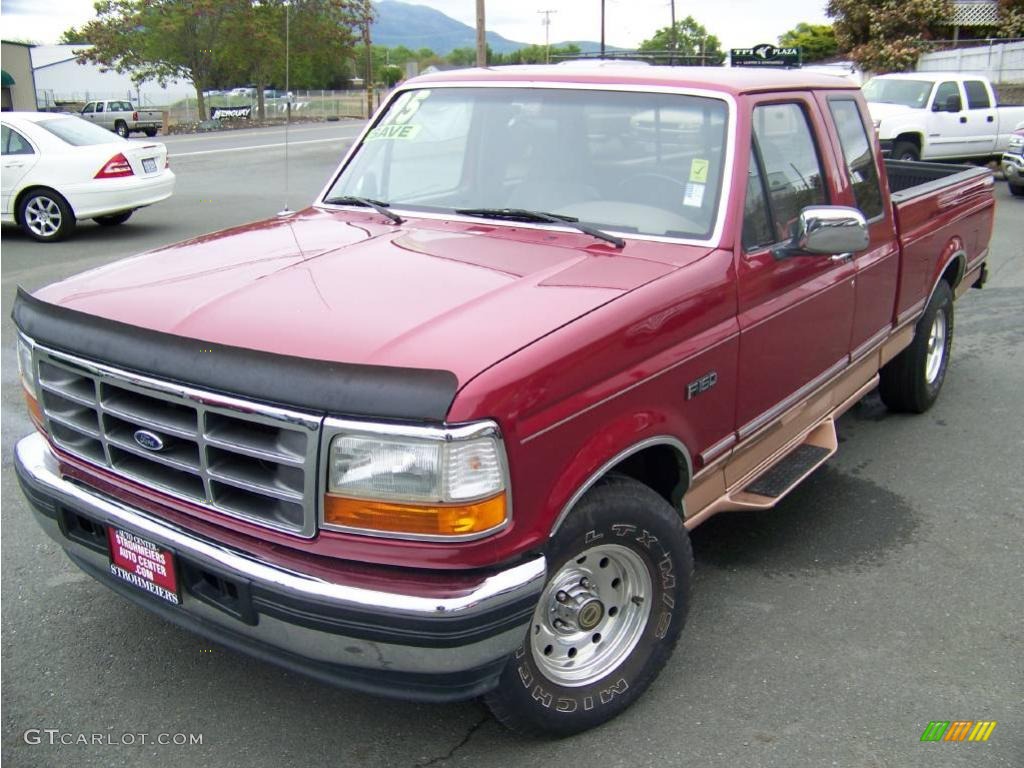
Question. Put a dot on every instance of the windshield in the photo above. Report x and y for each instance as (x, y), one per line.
(78, 132)
(909, 93)
(643, 163)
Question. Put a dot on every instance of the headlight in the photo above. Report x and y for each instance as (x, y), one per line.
(428, 483)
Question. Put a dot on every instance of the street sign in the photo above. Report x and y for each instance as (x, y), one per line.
(765, 55)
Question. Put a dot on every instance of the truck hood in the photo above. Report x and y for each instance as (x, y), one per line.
(344, 287)
(883, 111)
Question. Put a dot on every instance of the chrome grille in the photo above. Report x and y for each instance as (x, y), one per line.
(243, 459)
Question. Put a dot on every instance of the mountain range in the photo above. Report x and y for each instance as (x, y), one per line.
(417, 26)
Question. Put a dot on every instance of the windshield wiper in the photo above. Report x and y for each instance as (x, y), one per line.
(377, 205)
(521, 214)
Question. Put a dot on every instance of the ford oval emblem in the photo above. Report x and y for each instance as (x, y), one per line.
(149, 440)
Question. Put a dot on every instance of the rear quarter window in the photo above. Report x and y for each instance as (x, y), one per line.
(78, 132)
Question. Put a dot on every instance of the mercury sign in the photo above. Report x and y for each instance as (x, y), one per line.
(765, 55)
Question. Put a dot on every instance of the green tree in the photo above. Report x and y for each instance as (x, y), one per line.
(1011, 18)
(689, 38)
(817, 42)
(72, 36)
(887, 35)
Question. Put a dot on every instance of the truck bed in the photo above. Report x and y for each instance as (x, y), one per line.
(939, 209)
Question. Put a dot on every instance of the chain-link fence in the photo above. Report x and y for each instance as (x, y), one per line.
(308, 104)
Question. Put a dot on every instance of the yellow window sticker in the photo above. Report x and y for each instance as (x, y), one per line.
(406, 132)
(699, 171)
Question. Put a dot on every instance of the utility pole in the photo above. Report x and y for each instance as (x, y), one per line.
(602, 29)
(481, 35)
(547, 35)
(675, 34)
(367, 18)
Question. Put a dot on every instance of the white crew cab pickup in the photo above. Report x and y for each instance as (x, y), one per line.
(939, 116)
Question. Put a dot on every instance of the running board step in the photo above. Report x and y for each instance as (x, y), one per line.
(789, 471)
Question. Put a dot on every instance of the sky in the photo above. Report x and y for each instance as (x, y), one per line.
(737, 23)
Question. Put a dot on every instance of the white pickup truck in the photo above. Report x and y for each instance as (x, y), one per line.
(122, 118)
(939, 116)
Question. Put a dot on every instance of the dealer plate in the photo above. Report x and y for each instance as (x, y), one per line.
(143, 564)
(149, 164)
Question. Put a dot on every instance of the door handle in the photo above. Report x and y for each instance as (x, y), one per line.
(990, 119)
(963, 119)
(13, 165)
(841, 258)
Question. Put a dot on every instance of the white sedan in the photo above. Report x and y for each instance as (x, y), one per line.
(59, 169)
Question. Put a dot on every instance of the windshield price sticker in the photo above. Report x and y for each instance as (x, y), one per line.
(699, 170)
(406, 132)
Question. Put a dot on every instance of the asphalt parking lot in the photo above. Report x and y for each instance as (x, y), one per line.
(886, 592)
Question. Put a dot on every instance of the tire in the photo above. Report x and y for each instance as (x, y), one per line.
(113, 219)
(121, 129)
(46, 216)
(151, 132)
(1017, 190)
(911, 381)
(905, 150)
(620, 571)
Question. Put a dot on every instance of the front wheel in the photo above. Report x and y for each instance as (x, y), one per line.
(151, 132)
(1017, 190)
(46, 216)
(905, 150)
(609, 617)
(911, 381)
(121, 129)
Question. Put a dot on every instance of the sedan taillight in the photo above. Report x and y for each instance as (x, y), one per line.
(116, 166)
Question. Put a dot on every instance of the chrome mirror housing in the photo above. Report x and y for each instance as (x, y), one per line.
(827, 229)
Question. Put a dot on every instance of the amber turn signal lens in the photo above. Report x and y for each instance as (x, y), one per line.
(417, 519)
(33, 408)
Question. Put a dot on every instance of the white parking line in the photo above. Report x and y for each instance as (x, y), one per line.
(258, 146)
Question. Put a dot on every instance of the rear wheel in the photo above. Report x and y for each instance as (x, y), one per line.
(46, 216)
(609, 617)
(121, 129)
(911, 381)
(114, 219)
(905, 150)
(1017, 190)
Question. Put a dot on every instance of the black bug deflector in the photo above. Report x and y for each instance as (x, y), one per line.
(318, 385)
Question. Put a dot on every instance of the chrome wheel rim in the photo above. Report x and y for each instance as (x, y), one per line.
(43, 216)
(936, 348)
(591, 615)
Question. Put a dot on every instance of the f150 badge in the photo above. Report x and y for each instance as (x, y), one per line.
(701, 385)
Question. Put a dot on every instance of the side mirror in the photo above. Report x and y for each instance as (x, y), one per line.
(827, 229)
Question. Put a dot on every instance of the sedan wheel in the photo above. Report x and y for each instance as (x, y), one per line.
(46, 216)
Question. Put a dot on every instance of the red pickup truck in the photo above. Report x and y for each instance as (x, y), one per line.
(442, 434)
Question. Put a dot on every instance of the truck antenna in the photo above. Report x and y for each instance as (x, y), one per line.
(287, 101)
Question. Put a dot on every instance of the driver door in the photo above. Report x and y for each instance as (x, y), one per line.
(949, 132)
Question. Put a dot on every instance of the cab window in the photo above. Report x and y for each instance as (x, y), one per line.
(788, 165)
(944, 95)
(977, 95)
(860, 161)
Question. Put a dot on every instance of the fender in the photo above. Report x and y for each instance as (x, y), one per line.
(957, 254)
(595, 475)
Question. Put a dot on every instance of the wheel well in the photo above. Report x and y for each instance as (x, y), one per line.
(954, 271)
(16, 207)
(912, 138)
(661, 468)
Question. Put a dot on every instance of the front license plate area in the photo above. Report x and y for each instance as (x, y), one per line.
(149, 165)
(143, 564)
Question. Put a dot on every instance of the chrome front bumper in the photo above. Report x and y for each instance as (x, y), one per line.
(392, 643)
(1013, 168)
